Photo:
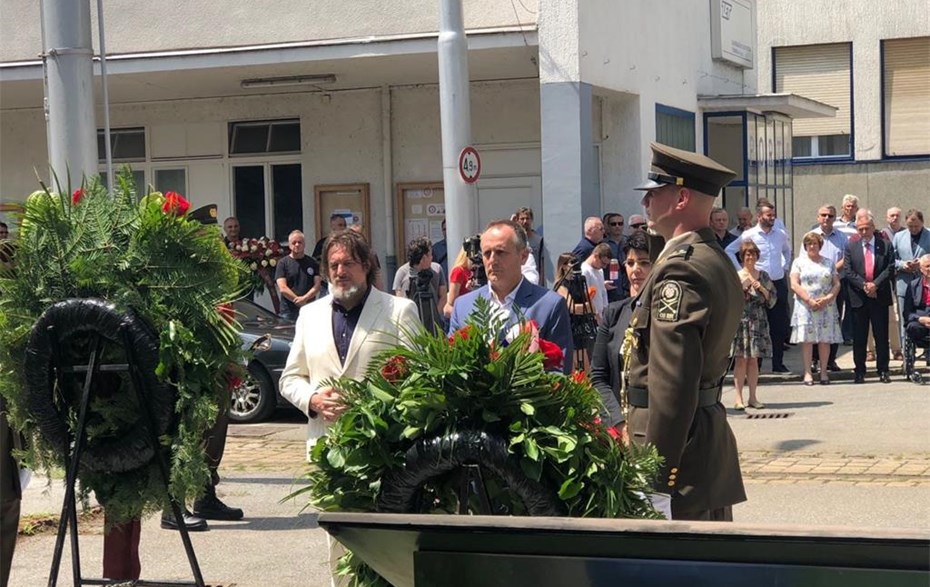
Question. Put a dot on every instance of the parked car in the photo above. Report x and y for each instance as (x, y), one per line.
(257, 396)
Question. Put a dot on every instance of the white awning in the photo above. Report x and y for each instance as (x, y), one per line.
(790, 105)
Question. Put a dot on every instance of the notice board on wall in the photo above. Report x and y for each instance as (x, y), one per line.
(421, 208)
(347, 200)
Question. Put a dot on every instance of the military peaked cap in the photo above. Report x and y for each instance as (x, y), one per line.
(672, 166)
(204, 214)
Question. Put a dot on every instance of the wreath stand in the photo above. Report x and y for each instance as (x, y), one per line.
(73, 459)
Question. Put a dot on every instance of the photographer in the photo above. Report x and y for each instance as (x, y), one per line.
(571, 284)
(423, 281)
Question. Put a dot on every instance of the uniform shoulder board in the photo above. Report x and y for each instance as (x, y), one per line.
(683, 252)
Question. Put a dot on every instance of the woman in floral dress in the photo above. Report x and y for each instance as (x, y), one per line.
(815, 283)
(752, 337)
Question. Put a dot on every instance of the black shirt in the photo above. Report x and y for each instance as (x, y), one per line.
(344, 323)
(299, 274)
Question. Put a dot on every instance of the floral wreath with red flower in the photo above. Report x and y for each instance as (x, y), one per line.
(174, 273)
(509, 386)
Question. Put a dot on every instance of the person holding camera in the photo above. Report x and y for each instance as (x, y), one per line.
(423, 281)
(571, 284)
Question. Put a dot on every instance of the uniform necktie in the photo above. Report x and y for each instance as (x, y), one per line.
(869, 263)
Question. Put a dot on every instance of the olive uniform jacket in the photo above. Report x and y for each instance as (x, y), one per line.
(684, 321)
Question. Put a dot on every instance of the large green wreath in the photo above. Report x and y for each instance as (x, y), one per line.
(143, 256)
(440, 387)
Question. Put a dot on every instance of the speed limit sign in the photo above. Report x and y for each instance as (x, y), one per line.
(469, 165)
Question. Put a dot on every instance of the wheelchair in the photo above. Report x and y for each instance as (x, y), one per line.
(911, 352)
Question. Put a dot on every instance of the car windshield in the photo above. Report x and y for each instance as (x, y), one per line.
(249, 312)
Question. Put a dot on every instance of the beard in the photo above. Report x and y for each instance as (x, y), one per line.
(345, 294)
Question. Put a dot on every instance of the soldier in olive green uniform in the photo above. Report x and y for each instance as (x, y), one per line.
(679, 337)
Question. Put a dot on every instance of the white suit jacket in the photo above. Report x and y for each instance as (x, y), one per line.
(385, 320)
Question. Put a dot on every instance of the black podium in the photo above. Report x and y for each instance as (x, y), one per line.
(492, 551)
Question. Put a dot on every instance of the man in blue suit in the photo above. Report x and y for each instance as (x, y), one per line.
(504, 249)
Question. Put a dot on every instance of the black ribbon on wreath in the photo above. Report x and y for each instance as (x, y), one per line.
(469, 459)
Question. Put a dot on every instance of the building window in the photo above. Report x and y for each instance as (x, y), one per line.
(267, 136)
(171, 180)
(906, 96)
(822, 73)
(258, 212)
(127, 144)
(675, 127)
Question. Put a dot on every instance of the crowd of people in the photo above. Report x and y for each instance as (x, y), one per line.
(847, 284)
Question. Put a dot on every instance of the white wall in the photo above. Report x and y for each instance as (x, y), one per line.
(865, 23)
(341, 140)
(140, 26)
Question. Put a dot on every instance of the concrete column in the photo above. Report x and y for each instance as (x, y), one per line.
(568, 166)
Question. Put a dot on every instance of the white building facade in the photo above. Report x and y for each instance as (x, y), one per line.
(283, 114)
(872, 61)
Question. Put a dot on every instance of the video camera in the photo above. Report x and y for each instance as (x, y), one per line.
(472, 246)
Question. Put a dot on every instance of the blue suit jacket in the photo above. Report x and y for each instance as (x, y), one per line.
(547, 308)
(903, 253)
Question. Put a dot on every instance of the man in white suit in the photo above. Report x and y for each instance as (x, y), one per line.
(338, 335)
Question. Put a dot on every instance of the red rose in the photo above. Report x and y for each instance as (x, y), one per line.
(579, 376)
(395, 369)
(612, 431)
(553, 358)
(460, 333)
(77, 195)
(175, 204)
(234, 382)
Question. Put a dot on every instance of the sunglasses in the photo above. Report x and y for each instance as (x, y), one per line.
(616, 223)
(637, 225)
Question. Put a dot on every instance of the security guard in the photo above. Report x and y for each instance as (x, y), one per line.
(679, 341)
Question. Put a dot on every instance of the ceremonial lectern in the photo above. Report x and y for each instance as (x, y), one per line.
(492, 551)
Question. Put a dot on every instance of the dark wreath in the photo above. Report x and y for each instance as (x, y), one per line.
(432, 459)
(74, 325)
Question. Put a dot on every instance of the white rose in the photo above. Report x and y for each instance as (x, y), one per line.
(264, 263)
(272, 262)
(253, 248)
(268, 252)
(253, 266)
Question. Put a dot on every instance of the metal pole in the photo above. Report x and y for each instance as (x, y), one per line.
(101, 42)
(455, 117)
(68, 61)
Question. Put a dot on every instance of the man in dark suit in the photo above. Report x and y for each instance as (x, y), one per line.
(917, 303)
(504, 249)
(868, 266)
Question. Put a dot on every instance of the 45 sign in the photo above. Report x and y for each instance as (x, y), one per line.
(469, 165)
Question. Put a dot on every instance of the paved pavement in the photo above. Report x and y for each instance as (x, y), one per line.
(844, 454)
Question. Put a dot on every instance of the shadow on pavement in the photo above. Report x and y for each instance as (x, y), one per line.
(796, 444)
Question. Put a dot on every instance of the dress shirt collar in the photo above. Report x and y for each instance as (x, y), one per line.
(870, 242)
(507, 302)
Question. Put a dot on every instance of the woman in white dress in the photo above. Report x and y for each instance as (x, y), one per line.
(815, 283)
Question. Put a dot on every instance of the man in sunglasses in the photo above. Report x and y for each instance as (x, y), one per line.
(680, 332)
(637, 222)
(619, 288)
(834, 243)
